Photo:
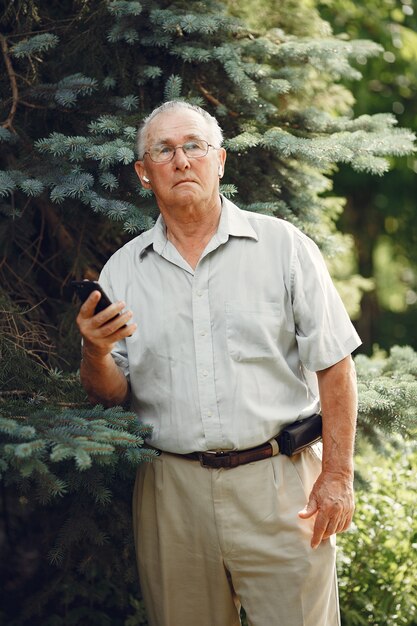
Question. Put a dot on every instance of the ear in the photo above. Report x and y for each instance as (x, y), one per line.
(221, 152)
(141, 173)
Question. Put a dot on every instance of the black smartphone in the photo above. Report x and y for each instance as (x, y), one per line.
(83, 288)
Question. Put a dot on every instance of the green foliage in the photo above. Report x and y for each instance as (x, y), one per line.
(84, 435)
(24, 342)
(377, 581)
(66, 474)
(67, 478)
(34, 45)
(251, 69)
(387, 387)
(383, 209)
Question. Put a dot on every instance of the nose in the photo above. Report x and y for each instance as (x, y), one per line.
(180, 160)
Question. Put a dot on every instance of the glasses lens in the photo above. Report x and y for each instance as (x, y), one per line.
(159, 154)
(196, 148)
(192, 149)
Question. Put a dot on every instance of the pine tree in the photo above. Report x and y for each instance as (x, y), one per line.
(78, 78)
(67, 477)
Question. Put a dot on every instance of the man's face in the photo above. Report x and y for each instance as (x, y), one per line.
(183, 182)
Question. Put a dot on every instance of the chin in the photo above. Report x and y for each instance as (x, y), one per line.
(187, 194)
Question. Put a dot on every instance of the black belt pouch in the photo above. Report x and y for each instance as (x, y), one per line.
(297, 436)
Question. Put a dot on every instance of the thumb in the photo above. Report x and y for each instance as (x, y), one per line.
(88, 308)
(309, 510)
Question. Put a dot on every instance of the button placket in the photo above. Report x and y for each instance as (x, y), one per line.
(204, 357)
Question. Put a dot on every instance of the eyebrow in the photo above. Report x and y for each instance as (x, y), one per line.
(187, 137)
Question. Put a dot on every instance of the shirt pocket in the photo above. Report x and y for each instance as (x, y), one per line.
(252, 330)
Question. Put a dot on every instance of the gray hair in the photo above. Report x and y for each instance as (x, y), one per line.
(215, 130)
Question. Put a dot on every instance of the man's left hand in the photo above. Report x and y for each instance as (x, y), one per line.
(332, 501)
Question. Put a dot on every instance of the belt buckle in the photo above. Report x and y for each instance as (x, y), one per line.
(227, 458)
(201, 456)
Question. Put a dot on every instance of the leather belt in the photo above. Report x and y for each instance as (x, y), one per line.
(233, 458)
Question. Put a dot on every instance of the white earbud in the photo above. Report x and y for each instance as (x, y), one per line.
(220, 170)
(146, 179)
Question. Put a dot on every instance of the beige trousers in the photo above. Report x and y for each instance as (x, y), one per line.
(208, 540)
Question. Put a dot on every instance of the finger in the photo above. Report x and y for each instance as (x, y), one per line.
(88, 307)
(110, 313)
(320, 527)
(309, 510)
(126, 330)
(129, 330)
(345, 519)
(337, 524)
(346, 523)
(332, 528)
(115, 325)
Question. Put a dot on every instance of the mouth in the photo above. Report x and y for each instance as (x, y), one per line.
(185, 180)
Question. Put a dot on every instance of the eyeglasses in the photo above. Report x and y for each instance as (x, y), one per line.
(194, 149)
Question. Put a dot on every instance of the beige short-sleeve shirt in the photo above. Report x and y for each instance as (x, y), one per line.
(224, 355)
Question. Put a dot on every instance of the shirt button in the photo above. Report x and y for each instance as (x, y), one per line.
(209, 413)
(203, 333)
(205, 373)
(199, 293)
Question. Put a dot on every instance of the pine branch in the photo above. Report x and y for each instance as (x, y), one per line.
(388, 391)
(13, 84)
(213, 100)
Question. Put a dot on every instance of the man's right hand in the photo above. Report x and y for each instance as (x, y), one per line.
(102, 379)
(100, 332)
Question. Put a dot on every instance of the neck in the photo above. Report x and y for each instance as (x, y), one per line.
(192, 230)
(192, 224)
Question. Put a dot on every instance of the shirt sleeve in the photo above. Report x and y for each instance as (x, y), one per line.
(324, 332)
(119, 353)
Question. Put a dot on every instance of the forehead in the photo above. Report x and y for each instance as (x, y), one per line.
(176, 125)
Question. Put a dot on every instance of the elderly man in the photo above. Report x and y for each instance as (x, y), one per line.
(238, 332)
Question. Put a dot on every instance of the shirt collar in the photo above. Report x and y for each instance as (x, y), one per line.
(233, 222)
(155, 237)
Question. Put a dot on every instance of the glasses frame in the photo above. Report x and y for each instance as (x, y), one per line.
(175, 148)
